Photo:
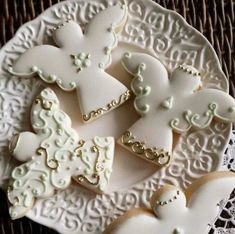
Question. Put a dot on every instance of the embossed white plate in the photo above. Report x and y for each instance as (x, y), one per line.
(151, 29)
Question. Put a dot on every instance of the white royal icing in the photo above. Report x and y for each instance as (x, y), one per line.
(79, 62)
(177, 104)
(54, 155)
(174, 214)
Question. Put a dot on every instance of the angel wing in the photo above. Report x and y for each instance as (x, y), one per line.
(53, 126)
(172, 215)
(138, 220)
(101, 32)
(150, 79)
(49, 63)
(61, 65)
(47, 117)
(208, 192)
(200, 108)
(18, 146)
(154, 73)
(44, 102)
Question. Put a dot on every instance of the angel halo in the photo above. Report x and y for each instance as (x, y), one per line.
(177, 212)
(79, 62)
(177, 104)
(53, 156)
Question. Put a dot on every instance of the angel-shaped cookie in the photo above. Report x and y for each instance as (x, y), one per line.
(79, 62)
(54, 155)
(175, 212)
(171, 105)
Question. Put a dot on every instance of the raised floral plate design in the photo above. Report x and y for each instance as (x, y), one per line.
(152, 29)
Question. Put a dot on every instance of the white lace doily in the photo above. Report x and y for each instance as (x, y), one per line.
(225, 221)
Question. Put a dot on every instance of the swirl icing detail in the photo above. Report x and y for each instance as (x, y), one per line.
(58, 156)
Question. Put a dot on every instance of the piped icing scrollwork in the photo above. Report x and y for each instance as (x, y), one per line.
(112, 105)
(170, 105)
(176, 212)
(194, 119)
(78, 61)
(138, 89)
(54, 157)
(159, 156)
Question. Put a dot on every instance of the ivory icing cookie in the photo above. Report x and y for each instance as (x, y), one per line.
(79, 62)
(54, 155)
(175, 212)
(171, 105)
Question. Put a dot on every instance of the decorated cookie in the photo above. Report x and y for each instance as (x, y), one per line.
(79, 62)
(171, 105)
(175, 212)
(53, 156)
